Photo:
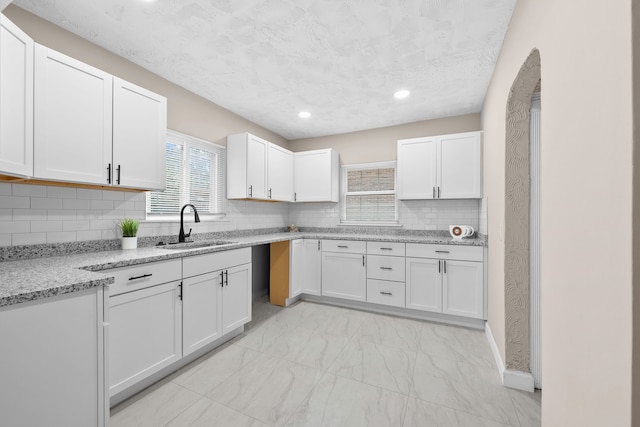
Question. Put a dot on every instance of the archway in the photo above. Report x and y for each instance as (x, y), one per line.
(516, 263)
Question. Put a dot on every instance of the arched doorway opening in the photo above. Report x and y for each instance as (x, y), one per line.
(517, 216)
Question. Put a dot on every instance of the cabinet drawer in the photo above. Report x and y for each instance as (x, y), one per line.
(466, 253)
(385, 267)
(385, 292)
(142, 276)
(206, 263)
(385, 248)
(346, 246)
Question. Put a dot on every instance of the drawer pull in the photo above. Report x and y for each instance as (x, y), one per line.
(385, 293)
(442, 252)
(343, 246)
(140, 277)
(386, 249)
(386, 268)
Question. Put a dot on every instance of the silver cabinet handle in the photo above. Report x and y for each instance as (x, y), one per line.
(438, 192)
(343, 246)
(434, 192)
(442, 252)
(109, 174)
(269, 193)
(363, 260)
(251, 191)
(439, 268)
(318, 244)
(222, 279)
(118, 179)
(386, 268)
(385, 293)
(386, 249)
(445, 266)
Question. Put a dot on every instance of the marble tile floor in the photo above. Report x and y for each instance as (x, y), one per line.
(318, 365)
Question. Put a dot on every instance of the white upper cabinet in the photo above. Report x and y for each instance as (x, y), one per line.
(93, 128)
(139, 136)
(258, 169)
(280, 174)
(73, 112)
(317, 176)
(16, 100)
(440, 167)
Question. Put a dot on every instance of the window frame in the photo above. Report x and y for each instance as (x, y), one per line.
(344, 169)
(217, 191)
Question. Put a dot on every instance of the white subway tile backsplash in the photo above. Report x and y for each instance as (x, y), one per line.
(29, 238)
(45, 226)
(102, 224)
(110, 234)
(5, 239)
(8, 227)
(61, 237)
(88, 214)
(101, 205)
(29, 214)
(89, 194)
(61, 214)
(15, 202)
(62, 192)
(112, 195)
(6, 214)
(88, 235)
(5, 189)
(75, 204)
(113, 214)
(29, 190)
(83, 225)
(45, 203)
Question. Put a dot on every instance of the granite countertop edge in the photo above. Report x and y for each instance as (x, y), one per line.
(38, 278)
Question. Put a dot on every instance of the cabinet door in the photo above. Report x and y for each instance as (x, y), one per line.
(236, 297)
(297, 266)
(72, 119)
(344, 276)
(463, 288)
(52, 362)
(460, 174)
(417, 168)
(139, 136)
(257, 167)
(424, 284)
(16, 100)
(280, 174)
(311, 272)
(144, 334)
(201, 311)
(316, 176)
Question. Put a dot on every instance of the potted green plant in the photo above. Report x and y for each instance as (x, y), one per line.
(129, 229)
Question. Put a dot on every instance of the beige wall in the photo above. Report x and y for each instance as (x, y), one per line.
(636, 214)
(376, 145)
(187, 112)
(586, 177)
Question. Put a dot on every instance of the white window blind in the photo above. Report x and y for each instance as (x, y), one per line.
(195, 174)
(369, 193)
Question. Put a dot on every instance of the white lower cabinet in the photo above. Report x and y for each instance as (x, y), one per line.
(344, 275)
(216, 296)
(306, 275)
(145, 333)
(52, 370)
(297, 268)
(452, 282)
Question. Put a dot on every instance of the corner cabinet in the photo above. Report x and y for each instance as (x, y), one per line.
(93, 128)
(53, 365)
(440, 167)
(16, 100)
(258, 169)
(317, 176)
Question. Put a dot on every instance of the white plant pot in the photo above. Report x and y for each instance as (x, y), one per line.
(129, 242)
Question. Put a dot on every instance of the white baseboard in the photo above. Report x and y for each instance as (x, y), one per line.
(513, 379)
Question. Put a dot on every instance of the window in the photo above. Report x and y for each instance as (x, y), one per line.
(195, 174)
(369, 193)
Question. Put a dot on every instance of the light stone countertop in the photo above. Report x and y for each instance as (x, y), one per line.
(32, 279)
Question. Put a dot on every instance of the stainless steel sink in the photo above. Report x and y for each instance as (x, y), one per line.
(194, 245)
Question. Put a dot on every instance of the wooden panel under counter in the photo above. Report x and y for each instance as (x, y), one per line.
(279, 273)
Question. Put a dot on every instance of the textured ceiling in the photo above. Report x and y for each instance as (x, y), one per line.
(341, 60)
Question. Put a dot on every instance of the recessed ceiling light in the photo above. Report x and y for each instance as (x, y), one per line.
(304, 114)
(401, 94)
